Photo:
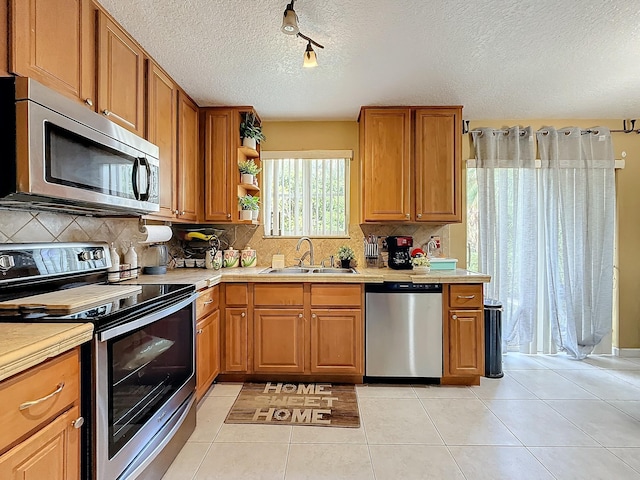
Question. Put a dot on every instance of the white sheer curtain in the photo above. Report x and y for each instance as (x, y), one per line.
(578, 202)
(507, 223)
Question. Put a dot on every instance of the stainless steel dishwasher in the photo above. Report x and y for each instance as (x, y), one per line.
(403, 323)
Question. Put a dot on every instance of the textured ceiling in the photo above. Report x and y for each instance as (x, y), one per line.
(499, 58)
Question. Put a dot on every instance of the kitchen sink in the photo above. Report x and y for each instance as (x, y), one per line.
(308, 271)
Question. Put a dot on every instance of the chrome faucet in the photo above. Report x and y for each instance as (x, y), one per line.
(308, 253)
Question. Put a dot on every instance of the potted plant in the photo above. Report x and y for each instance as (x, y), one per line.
(250, 131)
(421, 264)
(248, 204)
(249, 170)
(346, 254)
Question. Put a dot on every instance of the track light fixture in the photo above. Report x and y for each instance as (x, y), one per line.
(290, 27)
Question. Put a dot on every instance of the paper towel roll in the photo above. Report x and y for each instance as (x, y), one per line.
(156, 233)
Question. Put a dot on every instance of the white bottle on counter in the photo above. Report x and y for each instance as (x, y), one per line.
(131, 257)
(113, 274)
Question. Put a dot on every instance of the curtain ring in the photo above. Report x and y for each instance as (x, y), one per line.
(523, 133)
(596, 132)
(567, 132)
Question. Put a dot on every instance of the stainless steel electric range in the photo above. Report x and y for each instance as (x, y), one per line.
(138, 377)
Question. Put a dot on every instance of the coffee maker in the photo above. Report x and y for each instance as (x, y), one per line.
(400, 252)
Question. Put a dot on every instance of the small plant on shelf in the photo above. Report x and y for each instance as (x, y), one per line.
(249, 202)
(249, 167)
(250, 129)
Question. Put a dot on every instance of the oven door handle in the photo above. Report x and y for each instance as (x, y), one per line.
(145, 320)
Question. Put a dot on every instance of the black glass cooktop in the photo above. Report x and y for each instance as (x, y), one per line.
(152, 297)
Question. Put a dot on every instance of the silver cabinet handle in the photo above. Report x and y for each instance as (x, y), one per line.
(419, 215)
(242, 314)
(78, 422)
(467, 297)
(208, 302)
(199, 331)
(106, 112)
(313, 315)
(228, 215)
(26, 405)
(88, 101)
(455, 317)
(299, 315)
(407, 215)
(176, 212)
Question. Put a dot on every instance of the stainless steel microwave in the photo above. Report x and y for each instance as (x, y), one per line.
(60, 155)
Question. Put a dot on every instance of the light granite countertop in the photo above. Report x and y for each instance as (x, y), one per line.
(23, 345)
(203, 278)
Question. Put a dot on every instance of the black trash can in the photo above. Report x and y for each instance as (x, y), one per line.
(492, 338)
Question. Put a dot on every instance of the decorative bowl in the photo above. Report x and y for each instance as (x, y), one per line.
(421, 270)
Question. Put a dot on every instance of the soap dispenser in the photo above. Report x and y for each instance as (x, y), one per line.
(131, 257)
(113, 274)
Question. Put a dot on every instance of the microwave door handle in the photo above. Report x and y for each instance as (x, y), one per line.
(134, 178)
(145, 196)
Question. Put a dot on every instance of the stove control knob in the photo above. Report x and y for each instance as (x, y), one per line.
(98, 254)
(6, 262)
(84, 256)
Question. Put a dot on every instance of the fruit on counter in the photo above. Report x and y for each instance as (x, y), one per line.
(197, 236)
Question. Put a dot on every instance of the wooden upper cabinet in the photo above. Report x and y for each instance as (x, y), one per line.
(162, 117)
(120, 76)
(386, 145)
(52, 42)
(438, 165)
(218, 131)
(188, 184)
(4, 33)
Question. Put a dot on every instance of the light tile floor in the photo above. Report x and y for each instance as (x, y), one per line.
(548, 418)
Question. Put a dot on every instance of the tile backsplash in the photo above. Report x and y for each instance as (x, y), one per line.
(21, 226)
(242, 236)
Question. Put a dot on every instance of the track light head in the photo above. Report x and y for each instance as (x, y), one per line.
(290, 21)
(310, 58)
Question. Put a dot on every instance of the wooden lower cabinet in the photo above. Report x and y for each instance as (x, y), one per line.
(236, 338)
(295, 328)
(336, 341)
(463, 334)
(278, 340)
(207, 352)
(52, 453)
(466, 342)
(40, 418)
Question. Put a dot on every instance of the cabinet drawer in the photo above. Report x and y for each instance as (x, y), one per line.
(60, 375)
(207, 301)
(465, 296)
(283, 294)
(236, 294)
(336, 295)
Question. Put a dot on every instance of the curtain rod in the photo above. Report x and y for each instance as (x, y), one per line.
(465, 129)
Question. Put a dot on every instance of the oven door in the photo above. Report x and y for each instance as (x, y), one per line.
(143, 375)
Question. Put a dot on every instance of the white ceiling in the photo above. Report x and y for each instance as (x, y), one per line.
(501, 59)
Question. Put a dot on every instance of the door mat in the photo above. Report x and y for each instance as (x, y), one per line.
(316, 404)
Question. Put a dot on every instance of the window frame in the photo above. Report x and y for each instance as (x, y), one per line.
(347, 155)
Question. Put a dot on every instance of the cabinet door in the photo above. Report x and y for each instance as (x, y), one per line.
(466, 342)
(336, 341)
(236, 337)
(52, 453)
(438, 180)
(162, 118)
(207, 352)
(188, 186)
(220, 166)
(120, 76)
(386, 164)
(279, 340)
(49, 44)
